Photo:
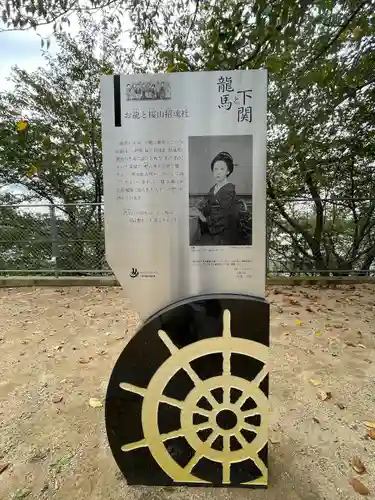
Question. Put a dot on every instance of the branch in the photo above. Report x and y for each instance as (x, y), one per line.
(352, 93)
(46, 23)
(339, 32)
(292, 222)
(370, 248)
(352, 206)
(369, 260)
(294, 239)
(318, 206)
(290, 267)
(254, 54)
(362, 230)
(192, 22)
(56, 17)
(312, 242)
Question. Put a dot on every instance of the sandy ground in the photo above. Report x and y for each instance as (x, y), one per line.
(58, 347)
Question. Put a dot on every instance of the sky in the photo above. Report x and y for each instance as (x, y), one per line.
(21, 48)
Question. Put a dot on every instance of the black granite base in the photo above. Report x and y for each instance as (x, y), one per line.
(187, 401)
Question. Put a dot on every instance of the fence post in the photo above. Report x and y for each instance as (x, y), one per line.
(55, 247)
(267, 245)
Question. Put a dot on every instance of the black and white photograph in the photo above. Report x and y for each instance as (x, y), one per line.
(148, 91)
(220, 190)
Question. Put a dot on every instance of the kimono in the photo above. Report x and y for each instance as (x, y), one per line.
(221, 212)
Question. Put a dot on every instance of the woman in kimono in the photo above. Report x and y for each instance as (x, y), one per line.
(219, 216)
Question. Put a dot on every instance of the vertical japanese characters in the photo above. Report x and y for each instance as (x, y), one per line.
(234, 99)
(148, 168)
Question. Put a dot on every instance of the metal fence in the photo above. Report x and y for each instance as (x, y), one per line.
(69, 239)
(52, 239)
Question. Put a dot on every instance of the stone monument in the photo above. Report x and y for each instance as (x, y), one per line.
(184, 160)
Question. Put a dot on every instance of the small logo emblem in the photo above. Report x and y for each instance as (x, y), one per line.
(134, 273)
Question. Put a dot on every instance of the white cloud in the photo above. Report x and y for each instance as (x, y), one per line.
(23, 49)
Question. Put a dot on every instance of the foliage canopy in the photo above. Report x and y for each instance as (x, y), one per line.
(320, 56)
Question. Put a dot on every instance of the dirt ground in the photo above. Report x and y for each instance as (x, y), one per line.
(57, 350)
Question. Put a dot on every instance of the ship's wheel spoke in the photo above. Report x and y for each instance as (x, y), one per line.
(241, 439)
(241, 400)
(187, 368)
(251, 413)
(260, 464)
(260, 376)
(142, 392)
(251, 428)
(226, 472)
(198, 455)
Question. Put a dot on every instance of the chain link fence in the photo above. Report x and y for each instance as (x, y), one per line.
(332, 238)
(52, 240)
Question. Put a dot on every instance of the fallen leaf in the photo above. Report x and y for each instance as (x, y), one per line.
(351, 344)
(275, 439)
(298, 322)
(95, 403)
(294, 302)
(120, 338)
(371, 433)
(359, 487)
(323, 395)
(358, 465)
(57, 398)
(84, 361)
(318, 334)
(361, 346)
(371, 425)
(3, 467)
(314, 382)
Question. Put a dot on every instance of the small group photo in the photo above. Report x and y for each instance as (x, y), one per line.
(220, 190)
(148, 91)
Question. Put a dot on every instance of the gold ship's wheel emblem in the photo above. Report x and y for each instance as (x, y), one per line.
(227, 410)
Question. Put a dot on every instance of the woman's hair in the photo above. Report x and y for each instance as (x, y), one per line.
(226, 158)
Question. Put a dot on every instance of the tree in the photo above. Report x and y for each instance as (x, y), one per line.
(321, 62)
(320, 58)
(24, 237)
(322, 149)
(59, 159)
